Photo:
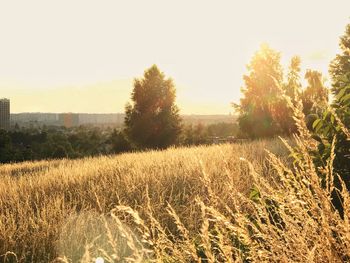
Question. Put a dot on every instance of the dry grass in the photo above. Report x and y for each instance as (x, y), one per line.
(178, 205)
(53, 209)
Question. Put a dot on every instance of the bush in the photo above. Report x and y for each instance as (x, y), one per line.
(333, 128)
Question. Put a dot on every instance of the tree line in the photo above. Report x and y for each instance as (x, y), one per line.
(152, 118)
(263, 109)
(52, 142)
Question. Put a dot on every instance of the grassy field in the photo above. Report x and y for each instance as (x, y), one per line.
(178, 205)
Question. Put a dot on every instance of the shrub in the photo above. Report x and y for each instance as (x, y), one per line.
(333, 127)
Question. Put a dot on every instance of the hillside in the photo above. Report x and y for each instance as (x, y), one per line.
(53, 208)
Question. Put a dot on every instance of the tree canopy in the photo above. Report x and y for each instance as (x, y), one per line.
(293, 85)
(259, 106)
(152, 120)
(340, 65)
(315, 96)
(292, 89)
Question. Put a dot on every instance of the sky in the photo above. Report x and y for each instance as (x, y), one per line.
(82, 55)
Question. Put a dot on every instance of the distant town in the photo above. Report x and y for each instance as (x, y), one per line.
(10, 120)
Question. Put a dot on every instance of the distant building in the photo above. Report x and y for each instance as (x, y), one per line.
(4, 114)
(27, 119)
(101, 118)
(68, 120)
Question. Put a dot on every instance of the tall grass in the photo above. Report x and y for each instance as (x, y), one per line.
(69, 208)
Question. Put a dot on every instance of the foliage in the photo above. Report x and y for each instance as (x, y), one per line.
(153, 121)
(264, 110)
(203, 134)
(119, 142)
(222, 129)
(283, 115)
(333, 128)
(259, 109)
(315, 96)
(194, 134)
(340, 65)
(293, 85)
(292, 89)
(52, 143)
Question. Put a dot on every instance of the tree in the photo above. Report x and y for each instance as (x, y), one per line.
(195, 134)
(152, 120)
(292, 89)
(315, 96)
(339, 70)
(6, 150)
(222, 129)
(259, 108)
(332, 128)
(118, 142)
(293, 86)
(58, 146)
(340, 65)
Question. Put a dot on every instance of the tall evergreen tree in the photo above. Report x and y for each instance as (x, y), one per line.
(258, 108)
(152, 120)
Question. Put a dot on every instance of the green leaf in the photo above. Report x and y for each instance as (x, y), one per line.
(326, 130)
(325, 114)
(321, 147)
(343, 78)
(319, 126)
(345, 98)
(254, 194)
(317, 138)
(315, 123)
(341, 93)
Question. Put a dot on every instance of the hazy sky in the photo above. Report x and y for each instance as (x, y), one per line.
(81, 56)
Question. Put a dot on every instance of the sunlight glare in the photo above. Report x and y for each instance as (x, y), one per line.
(99, 260)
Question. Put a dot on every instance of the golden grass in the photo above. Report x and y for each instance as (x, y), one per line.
(179, 205)
(51, 209)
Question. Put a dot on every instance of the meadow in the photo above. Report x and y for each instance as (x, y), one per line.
(219, 203)
(39, 199)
